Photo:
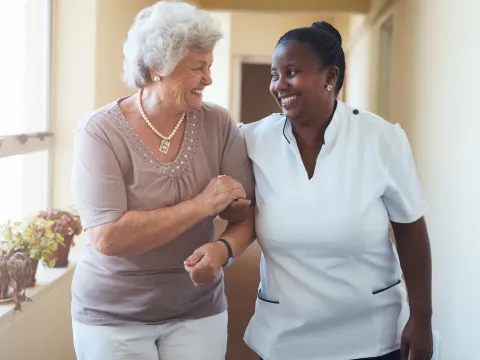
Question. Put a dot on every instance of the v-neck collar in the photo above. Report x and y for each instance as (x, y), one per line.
(330, 132)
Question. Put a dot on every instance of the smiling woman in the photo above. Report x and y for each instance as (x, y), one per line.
(331, 282)
(150, 173)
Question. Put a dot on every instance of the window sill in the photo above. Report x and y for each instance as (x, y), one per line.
(50, 279)
(47, 281)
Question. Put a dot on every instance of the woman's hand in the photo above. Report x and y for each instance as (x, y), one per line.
(236, 211)
(204, 264)
(417, 339)
(219, 194)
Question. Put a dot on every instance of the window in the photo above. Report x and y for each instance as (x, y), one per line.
(23, 184)
(25, 138)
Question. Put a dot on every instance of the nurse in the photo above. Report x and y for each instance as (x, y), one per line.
(329, 181)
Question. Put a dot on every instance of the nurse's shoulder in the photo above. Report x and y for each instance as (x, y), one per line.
(373, 130)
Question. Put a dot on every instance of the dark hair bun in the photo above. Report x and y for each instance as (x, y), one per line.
(323, 25)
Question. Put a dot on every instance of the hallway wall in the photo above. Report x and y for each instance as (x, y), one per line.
(434, 99)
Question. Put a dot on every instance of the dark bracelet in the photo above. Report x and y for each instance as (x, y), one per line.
(230, 252)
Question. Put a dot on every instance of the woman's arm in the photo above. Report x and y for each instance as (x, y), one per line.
(413, 248)
(137, 232)
(405, 202)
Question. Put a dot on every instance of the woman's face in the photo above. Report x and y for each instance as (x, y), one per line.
(183, 88)
(298, 82)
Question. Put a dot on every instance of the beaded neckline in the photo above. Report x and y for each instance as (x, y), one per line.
(182, 162)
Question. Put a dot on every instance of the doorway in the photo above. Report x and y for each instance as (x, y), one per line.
(256, 100)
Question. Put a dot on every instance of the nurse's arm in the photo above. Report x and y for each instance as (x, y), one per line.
(240, 235)
(203, 265)
(413, 247)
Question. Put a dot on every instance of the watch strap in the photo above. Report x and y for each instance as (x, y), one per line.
(230, 252)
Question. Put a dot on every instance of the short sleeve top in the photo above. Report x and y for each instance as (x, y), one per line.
(114, 172)
(330, 277)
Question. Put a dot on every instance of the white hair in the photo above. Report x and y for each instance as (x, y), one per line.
(162, 35)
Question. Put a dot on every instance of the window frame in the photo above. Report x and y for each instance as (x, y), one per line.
(25, 143)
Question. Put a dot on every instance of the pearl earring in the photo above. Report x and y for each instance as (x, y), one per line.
(156, 78)
(329, 87)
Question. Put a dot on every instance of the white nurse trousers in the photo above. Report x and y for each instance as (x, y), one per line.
(199, 339)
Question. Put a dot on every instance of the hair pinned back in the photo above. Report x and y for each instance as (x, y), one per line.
(326, 43)
(323, 25)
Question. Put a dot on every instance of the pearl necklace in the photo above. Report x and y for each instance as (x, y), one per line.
(165, 144)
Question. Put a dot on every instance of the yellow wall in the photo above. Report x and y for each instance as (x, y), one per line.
(355, 6)
(73, 84)
(434, 95)
(255, 34)
(113, 20)
(362, 72)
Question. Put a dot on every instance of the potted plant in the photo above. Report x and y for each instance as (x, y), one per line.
(5, 293)
(19, 266)
(67, 224)
(35, 238)
(15, 275)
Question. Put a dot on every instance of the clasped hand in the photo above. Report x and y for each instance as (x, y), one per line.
(226, 197)
(204, 264)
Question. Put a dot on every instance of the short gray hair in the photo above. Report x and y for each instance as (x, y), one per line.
(162, 35)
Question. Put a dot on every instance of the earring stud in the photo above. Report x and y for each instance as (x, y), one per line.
(156, 78)
(329, 87)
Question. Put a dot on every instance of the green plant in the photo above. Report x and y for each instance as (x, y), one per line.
(35, 237)
(66, 222)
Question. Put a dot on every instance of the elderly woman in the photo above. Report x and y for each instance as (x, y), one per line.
(151, 171)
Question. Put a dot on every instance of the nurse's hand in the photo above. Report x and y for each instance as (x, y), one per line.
(417, 339)
(204, 264)
(236, 211)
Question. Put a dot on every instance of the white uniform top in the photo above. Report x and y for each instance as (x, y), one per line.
(331, 284)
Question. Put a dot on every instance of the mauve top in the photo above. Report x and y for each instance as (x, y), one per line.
(114, 172)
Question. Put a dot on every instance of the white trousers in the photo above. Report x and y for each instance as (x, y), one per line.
(200, 339)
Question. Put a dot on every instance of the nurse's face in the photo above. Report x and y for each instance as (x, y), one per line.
(299, 82)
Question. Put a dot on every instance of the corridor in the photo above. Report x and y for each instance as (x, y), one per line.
(412, 62)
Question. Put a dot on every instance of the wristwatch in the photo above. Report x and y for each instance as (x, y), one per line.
(230, 252)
